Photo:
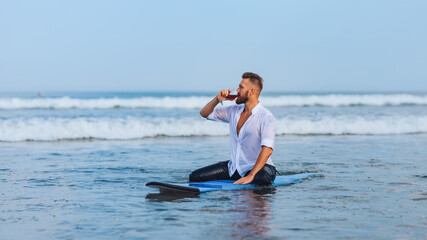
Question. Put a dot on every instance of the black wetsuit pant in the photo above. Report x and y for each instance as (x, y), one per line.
(219, 171)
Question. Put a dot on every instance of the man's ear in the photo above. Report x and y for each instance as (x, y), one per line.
(252, 91)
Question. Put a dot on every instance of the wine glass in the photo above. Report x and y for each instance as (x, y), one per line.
(232, 96)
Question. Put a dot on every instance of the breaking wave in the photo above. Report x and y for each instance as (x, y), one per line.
(192, 102)
(54, 129)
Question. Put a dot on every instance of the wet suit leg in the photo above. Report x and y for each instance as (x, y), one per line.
(265, 176)
(219, 171)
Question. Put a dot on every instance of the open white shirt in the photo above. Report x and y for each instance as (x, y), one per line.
(259, 130)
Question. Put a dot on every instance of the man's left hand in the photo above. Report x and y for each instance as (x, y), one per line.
(245, 180)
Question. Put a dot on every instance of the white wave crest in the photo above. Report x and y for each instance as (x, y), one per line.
(53, 129)
(337, 100)
(193, 102)
(103, 103)
(352, 125)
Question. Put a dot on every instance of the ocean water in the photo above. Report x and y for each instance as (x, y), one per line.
(75, 165)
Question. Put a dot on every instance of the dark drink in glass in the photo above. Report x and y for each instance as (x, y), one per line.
(231, 97)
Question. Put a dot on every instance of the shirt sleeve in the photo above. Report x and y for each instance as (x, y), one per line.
(221, 114)
(268, 131)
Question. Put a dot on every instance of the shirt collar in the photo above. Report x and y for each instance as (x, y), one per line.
(256, 108)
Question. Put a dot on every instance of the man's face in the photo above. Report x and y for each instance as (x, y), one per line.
(243, 92)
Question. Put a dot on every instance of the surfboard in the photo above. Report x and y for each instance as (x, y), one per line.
(221, 185)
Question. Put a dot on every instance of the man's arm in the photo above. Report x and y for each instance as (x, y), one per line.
(262, 159)
(210, 106)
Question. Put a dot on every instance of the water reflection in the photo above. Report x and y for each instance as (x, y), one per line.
(251, 213)
(169, 197)
(245, 214)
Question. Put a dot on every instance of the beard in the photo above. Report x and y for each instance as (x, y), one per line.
(242, 99)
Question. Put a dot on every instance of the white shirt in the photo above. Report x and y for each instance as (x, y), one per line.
(259, 130)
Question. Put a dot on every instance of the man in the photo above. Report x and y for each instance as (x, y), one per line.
(252, 133)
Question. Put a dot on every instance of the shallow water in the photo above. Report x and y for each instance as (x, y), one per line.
(372, 187)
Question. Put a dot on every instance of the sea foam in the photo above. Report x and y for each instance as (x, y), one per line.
(127, 128)
(193, 102)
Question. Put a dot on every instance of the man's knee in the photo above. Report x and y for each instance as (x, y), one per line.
(265, 176)
(194, 177)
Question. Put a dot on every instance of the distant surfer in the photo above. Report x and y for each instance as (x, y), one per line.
(252, 135)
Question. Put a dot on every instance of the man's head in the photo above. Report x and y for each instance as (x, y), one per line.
(250, 87)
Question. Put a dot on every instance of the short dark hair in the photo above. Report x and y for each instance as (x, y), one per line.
(254, 78)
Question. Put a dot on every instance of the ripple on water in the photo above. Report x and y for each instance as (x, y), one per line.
(79, 170)
(44, 182)
(420, 199)
(125, 168)
(420, 176)
(402, 184)
(55, 154)
(112, 180)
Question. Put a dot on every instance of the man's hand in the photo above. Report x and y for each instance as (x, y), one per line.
(245, 180)
(223, 94)
(209, 108)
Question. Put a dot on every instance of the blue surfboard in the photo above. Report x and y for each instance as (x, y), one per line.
(218, 185)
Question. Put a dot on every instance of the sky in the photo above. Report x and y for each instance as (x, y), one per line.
(307, 45)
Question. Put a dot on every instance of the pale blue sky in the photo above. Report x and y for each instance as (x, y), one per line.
(206, 45)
